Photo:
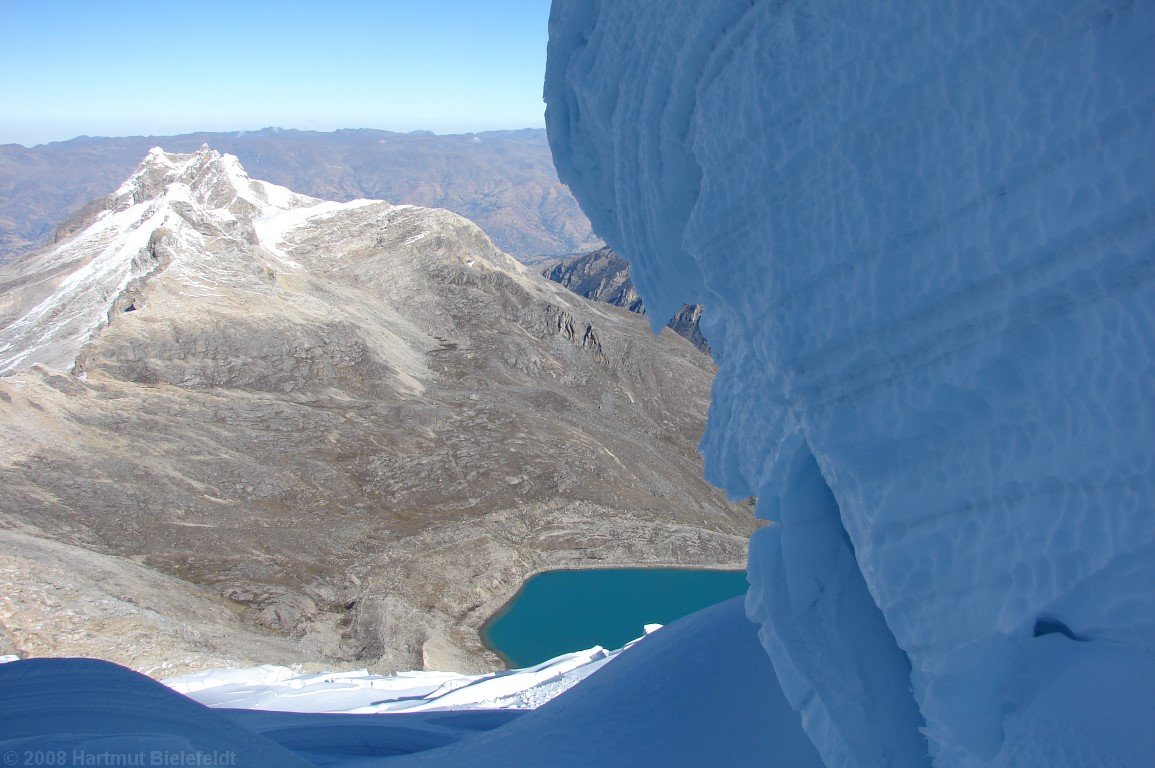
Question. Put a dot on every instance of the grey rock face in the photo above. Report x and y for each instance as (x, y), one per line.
(687, 324)
(604, 276)
(356, 426)
(600, 275)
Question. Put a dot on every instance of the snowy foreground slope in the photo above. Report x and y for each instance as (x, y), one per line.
(923, 236)
(700, 692)
(283, 689)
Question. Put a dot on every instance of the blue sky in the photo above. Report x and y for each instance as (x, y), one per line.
(129, 68)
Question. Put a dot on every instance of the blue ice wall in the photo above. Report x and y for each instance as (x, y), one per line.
(923, 234)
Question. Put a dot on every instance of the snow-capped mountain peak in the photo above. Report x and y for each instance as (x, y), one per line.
(191, 235)
(211, 180)
(196, 213)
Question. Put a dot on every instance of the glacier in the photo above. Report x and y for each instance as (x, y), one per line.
(923, 235)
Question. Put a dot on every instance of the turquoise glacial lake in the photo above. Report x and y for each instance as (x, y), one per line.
(558, 612)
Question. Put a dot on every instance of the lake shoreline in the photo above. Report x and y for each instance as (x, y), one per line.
(428, 596)
(626, 580)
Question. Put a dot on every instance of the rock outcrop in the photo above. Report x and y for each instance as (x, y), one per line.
(604, 276)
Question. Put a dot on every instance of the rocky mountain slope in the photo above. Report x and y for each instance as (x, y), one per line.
(602, 275)
(350, 430)
(502, 180)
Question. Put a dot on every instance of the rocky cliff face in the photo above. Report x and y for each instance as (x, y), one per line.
(602, 275)
(599, 275)
(358, 426)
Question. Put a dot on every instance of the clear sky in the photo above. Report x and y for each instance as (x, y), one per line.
(120, 68)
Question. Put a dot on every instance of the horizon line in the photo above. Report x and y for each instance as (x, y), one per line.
(273, 128)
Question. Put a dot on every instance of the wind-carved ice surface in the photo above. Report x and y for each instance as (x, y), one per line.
(923, 233)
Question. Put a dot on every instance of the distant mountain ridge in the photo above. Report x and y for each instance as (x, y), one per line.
(504, 181)
(603, 275)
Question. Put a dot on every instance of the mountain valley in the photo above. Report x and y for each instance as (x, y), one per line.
(344, 432)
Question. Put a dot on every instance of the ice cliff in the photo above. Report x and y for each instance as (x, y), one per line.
(923, 234)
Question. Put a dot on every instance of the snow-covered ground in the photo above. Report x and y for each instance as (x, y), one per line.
(700, 692)
(358, 692)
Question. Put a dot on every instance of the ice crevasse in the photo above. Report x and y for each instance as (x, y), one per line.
(923, 234)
